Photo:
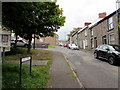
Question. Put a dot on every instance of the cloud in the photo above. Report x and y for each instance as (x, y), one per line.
(79, 11)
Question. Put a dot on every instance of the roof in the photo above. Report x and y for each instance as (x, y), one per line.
(74, 33)
(103, 19)
(82, 29)
(95, 23)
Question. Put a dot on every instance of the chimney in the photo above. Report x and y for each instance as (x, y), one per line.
(102, 15)
(87, 23)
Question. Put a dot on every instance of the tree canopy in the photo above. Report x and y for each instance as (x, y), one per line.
(27, 18)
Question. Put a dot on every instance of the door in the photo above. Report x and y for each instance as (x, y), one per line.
(104, 52)
(104, 40)
(83, 44)
(95, 42)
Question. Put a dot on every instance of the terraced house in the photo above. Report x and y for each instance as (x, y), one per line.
(104, 31)
(83, 36)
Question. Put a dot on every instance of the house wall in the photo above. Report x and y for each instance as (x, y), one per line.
(101, 34)
(46, 40)
(101, 30)
(83, 39)
(52, 40)
(74, 39)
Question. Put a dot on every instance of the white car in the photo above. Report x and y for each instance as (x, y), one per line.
(20, 43)
(73, 46)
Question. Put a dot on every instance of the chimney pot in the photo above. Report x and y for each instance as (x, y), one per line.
(87, 23)
(102, 15)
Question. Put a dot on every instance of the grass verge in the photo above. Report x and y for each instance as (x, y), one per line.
(38, 79)
(49, 46)
(37, 54)
(40, 73)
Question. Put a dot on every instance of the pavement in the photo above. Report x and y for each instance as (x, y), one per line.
(61, 74)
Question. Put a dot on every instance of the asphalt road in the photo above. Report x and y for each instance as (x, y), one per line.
(93, 73)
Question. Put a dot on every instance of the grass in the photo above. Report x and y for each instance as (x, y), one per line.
(38, 79)
(37, 54)
(40, 73)
(49, 46)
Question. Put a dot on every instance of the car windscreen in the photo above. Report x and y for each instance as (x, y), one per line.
(117, 48)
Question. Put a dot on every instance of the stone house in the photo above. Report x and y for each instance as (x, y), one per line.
(105, 31)
(83, 36)
(46, 40)
(74, 38)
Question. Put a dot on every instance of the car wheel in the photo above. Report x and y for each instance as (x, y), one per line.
(96, 55)
(111, 60)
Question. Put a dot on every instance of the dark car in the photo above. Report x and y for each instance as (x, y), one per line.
(108, 52)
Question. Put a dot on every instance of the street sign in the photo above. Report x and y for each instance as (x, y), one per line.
(25, 59)
(22, 60)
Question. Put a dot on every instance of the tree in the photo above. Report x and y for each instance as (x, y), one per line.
(73, 31)
(27, 18)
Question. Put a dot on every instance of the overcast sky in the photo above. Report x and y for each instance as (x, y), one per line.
(78, 12)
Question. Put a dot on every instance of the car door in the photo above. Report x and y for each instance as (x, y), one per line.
(99, 50)
(104, 51)
(20, 43)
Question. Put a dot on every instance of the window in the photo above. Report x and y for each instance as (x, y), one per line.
(110, 23)
(104, 47)
(92, 43)
(91, 32)
(104, 40)
(85, 32)
(111, 39)
(95, 42)
(100, 46)
(5, 38)
(86, 44)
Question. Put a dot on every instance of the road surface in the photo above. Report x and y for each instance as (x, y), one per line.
(93, 73)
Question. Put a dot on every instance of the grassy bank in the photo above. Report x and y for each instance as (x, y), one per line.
(37, 79)
(49, 46)
(40, 73)
(37, 54)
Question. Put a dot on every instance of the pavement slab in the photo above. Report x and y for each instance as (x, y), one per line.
(61, 74)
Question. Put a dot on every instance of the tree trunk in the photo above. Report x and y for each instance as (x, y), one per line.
(29, 44)
(34, 42)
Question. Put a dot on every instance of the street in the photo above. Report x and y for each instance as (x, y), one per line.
(93, 73)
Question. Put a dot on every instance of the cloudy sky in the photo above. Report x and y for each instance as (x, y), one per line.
(79, 11)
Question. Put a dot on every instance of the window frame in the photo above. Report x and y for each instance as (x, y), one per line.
(110, 38)
(110, 24)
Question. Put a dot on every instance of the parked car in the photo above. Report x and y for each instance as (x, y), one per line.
(20, 43)
(65, 45)
(69, 46)
(111, 53)
(73, 46)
